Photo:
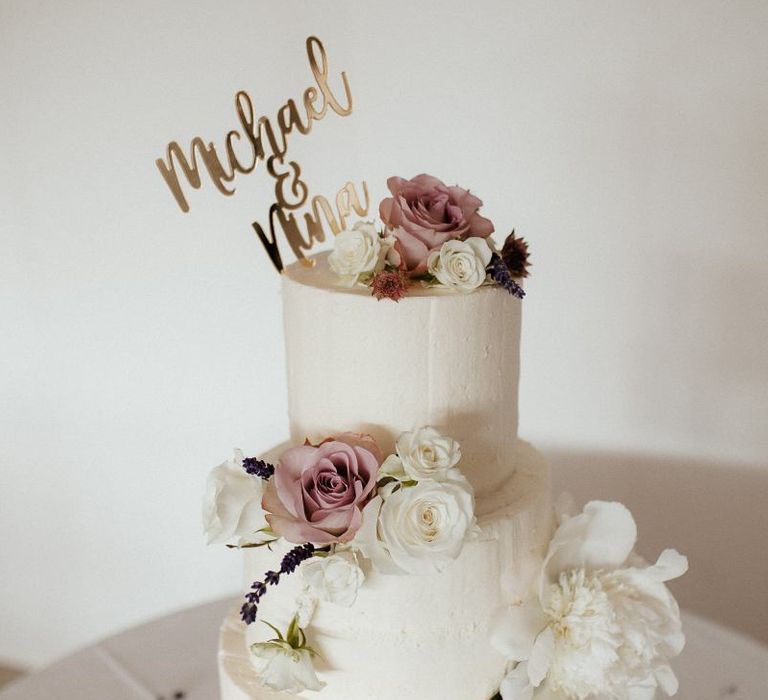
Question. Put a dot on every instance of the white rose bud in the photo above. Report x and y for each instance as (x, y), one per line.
(232, 502)
(285, 669)
(460, 265)
(426, 454)
(392, 467)
(358, 253)
(335, 578)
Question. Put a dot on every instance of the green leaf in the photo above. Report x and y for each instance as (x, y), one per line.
(294, 633)
(251, 545)
(275, 630)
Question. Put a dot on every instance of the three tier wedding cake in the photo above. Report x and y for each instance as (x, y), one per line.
(404, 544)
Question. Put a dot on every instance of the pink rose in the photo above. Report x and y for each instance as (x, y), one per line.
(423, 213)
(318, 492)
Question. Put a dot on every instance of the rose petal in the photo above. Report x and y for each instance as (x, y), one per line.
(480, 226)
(367, 442)
(336, 519)
(425, 181)
(298, 531)
(412, 251)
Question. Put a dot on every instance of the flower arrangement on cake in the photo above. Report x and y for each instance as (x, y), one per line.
(338, 500)
(595, 621)
(430, 234)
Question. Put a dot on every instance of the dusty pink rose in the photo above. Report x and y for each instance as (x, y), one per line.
(318, 492)
(423, 213)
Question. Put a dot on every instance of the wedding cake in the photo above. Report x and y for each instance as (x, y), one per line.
(403, 543)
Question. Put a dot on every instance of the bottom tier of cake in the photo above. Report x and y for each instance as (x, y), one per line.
(423, 637)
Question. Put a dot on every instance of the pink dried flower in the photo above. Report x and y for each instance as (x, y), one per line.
(389, 285)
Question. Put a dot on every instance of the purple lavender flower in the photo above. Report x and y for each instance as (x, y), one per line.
(289, 564)
(258, 467)
(500, 273)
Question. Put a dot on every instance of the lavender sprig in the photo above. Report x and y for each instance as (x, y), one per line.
(288, 565)
(500, 273)
(258, 467)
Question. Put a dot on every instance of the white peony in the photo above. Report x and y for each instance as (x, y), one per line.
(358, 253)
(460, 264)
(232, 502)
(285, 669)
(602, 624)
(418, 529)
(426, 454)
(335, 578)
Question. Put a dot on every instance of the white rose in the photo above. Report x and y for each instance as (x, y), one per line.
(335, 578)
(358, 252)
(418, 529)
(460, 264)
(232, 502)
(285, 669)
(600, 624)
(392, 467)
(426, 454)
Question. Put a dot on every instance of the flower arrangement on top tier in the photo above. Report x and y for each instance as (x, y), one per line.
(336, 501)
(430, 234)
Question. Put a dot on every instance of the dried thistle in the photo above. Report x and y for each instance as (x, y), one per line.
(515, 255)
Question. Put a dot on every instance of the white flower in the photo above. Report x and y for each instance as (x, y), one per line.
(285, 663)
(392, 467)
(426, 454)
(335, 578)
(516, 684)
(460, 264)
(232, 502)
(358, 253)
(418, 529)
(285, 669)
(598, 626)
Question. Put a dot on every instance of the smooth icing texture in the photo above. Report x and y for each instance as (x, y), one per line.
(436, 357)
(419, 637)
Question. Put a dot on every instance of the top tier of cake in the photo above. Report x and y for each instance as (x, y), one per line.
(438, 358)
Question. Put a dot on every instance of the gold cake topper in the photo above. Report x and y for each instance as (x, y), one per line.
(262, 141)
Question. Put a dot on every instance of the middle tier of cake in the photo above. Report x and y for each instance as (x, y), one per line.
(413, 636)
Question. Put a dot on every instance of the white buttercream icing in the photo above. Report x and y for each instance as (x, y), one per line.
(412, 636)
(436, 357)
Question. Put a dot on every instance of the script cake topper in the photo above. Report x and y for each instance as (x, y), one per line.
(262, 141)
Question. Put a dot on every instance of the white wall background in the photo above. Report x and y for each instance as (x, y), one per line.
(628, 141)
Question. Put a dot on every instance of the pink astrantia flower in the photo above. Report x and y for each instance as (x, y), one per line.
(423, 213)
(318, 492)
(389, 285)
